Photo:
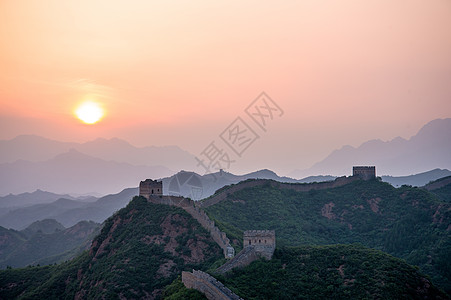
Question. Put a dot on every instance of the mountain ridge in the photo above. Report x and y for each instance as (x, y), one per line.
(73, 171)
(428, 149)
(35, 148)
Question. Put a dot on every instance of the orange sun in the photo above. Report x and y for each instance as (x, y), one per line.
(89, 112)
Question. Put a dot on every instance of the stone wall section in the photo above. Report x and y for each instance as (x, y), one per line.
(257, 244)
(242, 259)
(197, 213)
(208, 285)
(218, 236)
(300, 187)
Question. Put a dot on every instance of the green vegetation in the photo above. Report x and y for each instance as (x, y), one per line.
(140, 250)
(409, 223)
(143, 248)
(330, 272)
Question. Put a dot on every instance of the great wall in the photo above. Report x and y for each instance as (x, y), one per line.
(208, 285)
(152, 190)
(256, 243)
(299, 187)
(197, 213)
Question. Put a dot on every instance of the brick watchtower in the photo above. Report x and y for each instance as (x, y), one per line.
(263, 241)
(150, 187)
(364, 172)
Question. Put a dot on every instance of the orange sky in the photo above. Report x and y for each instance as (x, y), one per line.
(179, 72)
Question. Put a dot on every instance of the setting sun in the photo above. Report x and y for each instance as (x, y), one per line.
(89, 112)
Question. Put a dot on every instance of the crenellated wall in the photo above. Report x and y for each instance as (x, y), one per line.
(208, 285)
(218, 236)
(300, 187)
(256, 243)
(197, 213)
(242, 259)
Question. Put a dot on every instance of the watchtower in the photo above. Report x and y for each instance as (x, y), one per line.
(150, 187)
(364, 172)
(263, 241)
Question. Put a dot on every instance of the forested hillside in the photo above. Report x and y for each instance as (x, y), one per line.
(330, 272)
(410, 223)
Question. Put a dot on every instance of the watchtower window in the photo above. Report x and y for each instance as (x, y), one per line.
(152, 191)
(249, 242)
(259, 241)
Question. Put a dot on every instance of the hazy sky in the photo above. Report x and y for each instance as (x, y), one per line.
(180, 72)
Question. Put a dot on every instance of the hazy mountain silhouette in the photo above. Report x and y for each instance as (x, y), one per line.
(35, 197)
(172, 157)
(36, 149)
(419, 179)
(430, 148)
(46, 226)
(67, 212)
(188, 184)
(196, 187)
(31, 148)
(36, 245)
(74, 171)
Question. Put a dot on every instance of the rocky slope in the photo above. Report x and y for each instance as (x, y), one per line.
(141, 249)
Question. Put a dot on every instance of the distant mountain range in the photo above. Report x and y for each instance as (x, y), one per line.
(419, 179)
(74, 171)
(101, 166)
(35, 197)
(104, 166)
(430, 148)
(196, 187)
(44, 242)
(19, 211)
(65, 211)
(37, 149)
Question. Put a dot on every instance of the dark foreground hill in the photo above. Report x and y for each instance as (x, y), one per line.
(141, 249)
(330, 272)
(410, 223)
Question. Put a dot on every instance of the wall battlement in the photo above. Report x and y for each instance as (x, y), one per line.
(299, 187)
(218, 236)
(208, 285)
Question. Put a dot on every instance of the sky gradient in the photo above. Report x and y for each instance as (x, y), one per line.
(180, 72)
